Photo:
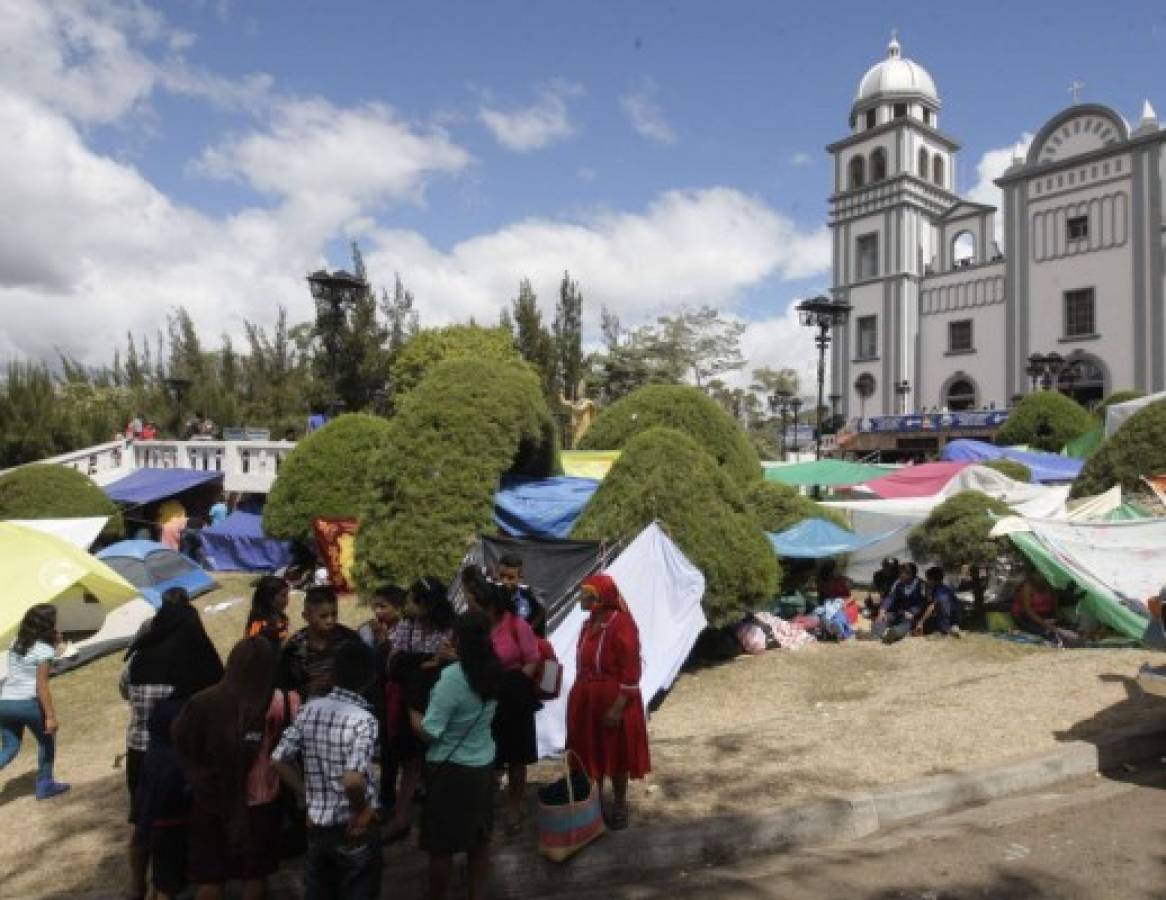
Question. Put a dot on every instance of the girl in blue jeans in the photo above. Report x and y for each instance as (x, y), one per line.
(25, 698)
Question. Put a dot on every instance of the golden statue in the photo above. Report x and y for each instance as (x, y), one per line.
(583, 413)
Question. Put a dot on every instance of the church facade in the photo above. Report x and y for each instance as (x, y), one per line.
(945, 316)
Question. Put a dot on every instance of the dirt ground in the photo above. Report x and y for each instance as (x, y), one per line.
(776, 729)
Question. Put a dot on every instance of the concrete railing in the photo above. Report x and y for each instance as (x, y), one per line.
(247, 466)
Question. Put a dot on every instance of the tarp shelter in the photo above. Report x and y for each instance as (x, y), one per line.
(825, 472)
(1116, 415)
(818, 539)
(1107, 507)
(663, 590)
(924, 480)
(150, 485)
(39, 568)
(78, 532)
(152, 568)
(1117, 564)
(541, 507)
(1045, 467)
(239, 544)
(588, 463)
(1082, 447)
(552, 568)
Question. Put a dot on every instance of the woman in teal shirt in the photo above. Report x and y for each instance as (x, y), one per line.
(458, 816)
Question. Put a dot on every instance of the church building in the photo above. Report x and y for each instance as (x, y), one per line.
(944, 316)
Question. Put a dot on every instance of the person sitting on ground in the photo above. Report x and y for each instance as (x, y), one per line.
(883, 582)
(1034, 610)
(305, 663)
(26, 700)
(942, 615)
(902, 606)
(522, 596)
(458, 816)
(333, 739)
(832, 584)
(268, 615)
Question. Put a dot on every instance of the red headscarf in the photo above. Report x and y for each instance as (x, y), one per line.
(607, 593)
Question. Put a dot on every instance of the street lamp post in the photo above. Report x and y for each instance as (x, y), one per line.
(823, 314)
(779, 404)
(1051, 371)
(332, 293)
(796, 406)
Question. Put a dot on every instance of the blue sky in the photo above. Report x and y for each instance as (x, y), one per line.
(209, 152)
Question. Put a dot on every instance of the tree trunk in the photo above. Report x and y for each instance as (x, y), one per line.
(979, 614)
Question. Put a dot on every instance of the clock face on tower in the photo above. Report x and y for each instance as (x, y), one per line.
(1079, 134)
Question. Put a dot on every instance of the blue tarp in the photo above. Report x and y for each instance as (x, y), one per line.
(148, 485)
(817, 539)
(1044, 466)
(238, 544)
(541, 507)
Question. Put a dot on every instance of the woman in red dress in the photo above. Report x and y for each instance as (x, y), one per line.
(605, 713)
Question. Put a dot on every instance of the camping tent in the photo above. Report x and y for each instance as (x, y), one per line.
(152, 568)
(78, 532)
(1116, 415)
(149, 485)
(541, 507)
(816, 539)
(239, 544)
(1045, 467)
(825, 472)
(663, 591)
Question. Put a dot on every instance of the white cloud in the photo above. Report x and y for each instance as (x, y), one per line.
(646, 116)
(699, 246)
(801, 158)
(533, 127)
(781, 342)
(991, 166)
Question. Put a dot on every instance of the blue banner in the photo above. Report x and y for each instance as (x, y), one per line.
(983, 418)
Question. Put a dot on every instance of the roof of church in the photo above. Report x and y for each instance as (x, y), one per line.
(896, 75)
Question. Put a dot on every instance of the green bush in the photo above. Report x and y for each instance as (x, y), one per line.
(688, 410)
(1045, 420)
(1017, 471)
(431, 346)
(663, 475)
(431, 492)
(1115, 398)
(777, 507)
(325, 476)
(48, 491)
(1137, 448)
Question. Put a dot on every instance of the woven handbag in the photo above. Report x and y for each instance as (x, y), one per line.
(566, 828)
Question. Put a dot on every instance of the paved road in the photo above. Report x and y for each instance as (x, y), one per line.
(1095, 838)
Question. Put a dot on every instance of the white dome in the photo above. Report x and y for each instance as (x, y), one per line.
(895, 75)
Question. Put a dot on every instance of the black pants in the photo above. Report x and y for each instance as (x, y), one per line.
(338, 868)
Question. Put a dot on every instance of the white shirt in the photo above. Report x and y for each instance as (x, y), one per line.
(21, 681)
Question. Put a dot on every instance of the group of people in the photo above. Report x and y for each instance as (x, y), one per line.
(322, 740)
(910, 605)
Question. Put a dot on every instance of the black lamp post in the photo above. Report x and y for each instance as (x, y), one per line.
(332, 293)
(902, 389)
(823, 314)
(1051, 371)
(796, 406)
(779, 402)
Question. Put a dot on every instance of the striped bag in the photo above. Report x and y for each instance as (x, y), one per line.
(566, 828)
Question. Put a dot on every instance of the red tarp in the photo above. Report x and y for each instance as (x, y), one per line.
(923, 480)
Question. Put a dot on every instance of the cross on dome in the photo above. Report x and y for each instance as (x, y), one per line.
(894, 48)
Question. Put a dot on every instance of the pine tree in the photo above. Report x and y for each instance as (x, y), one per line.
(534, 342)
(569, 337)
(401, 319)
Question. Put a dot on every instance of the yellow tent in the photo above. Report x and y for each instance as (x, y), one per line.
(588, 463)
(36, 567)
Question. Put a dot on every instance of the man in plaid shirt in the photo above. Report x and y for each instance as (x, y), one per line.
(334, 737)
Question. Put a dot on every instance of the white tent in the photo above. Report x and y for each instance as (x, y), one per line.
(1116, 415)
(663, 590)
(78, 532)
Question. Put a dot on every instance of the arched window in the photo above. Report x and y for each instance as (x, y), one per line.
(963, 249)
(857, 172)
(878, 165)
(960, 394)
(924, 164)
(937, 167)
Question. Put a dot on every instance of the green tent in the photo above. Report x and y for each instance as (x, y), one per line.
(1082, 447)
(825, 472)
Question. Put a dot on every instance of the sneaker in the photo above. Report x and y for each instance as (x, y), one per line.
(49, 789)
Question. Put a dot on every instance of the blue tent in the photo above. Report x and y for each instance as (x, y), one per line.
(817, 539)
(153, 568)
(148, 485)
(1044, 466)
(238, 544)
(541, 507)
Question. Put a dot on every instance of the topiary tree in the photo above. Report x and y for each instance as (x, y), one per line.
(1137, 448)
(1116, 397)
(777, 507)
(431, 346)
(432, 490)
(688, 410)
(663, 475)
(956, 534)
(1017, 471)
(1046, 420)
(48, 491)
(324, 476)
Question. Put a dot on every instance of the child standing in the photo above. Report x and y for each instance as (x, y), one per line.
(522, 597)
